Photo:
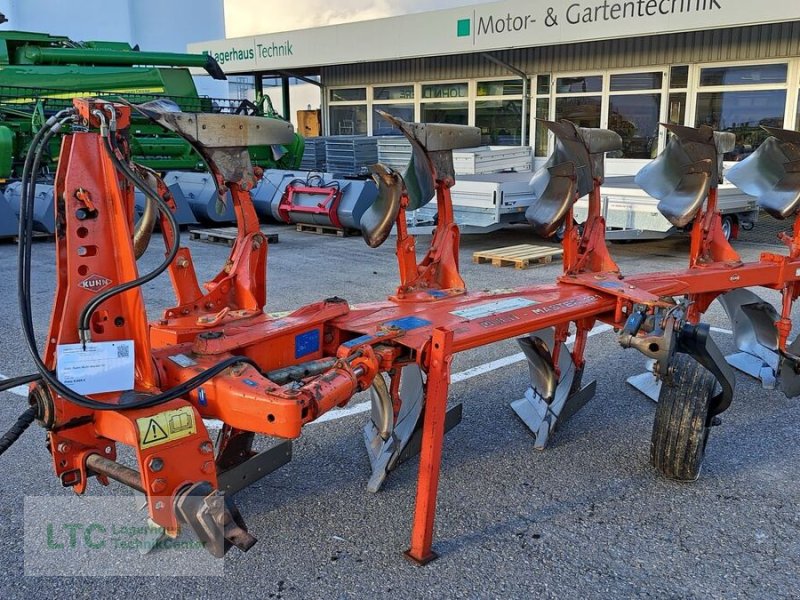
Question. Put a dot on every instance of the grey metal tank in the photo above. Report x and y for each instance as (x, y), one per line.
(44, 217)
(357, 196)
(183, 212)
(9, 224)
(200, 192)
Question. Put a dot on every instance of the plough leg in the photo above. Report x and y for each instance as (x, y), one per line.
(431, 452)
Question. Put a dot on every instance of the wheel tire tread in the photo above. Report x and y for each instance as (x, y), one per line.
(679, 429)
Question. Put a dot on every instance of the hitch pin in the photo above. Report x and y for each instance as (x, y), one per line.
(84, 196)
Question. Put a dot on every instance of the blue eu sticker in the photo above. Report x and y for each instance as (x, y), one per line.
(306, 343)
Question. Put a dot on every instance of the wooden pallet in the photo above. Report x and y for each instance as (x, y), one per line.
(325, 230)
(224, 235)
(521, 256)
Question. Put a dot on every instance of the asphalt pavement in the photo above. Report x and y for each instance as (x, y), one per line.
(588, 517)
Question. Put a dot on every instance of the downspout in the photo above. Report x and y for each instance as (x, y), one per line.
(258, 83)
(285, 98)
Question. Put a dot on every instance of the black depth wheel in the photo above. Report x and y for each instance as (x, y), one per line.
(679, 430)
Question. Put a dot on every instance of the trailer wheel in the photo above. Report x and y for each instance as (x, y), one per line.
(727, 227)
(558, 234)
(679, 430)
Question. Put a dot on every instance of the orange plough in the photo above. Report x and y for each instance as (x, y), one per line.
(217, 355)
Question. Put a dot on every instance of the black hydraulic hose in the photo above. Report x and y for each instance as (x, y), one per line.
(24, 256)
(12, 435)
(7, 384)
(35, 142)
(28, 186)
(28, 170)
(317, 180)
(26, 232)
(132, 177)
(31, 168)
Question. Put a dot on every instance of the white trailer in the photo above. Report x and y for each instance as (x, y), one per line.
(482, 203)
(631, 214)
(487, 202)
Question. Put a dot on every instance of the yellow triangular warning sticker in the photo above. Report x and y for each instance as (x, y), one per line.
(155, 433)
(166, 426)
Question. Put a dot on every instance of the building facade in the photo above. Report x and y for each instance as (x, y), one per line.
(626, 66)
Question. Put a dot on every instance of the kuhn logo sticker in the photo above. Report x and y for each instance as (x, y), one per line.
(94, 283)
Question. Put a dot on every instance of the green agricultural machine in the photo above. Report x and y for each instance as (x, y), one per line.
(40, 74)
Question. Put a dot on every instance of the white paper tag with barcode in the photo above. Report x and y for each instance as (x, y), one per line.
(97, 368)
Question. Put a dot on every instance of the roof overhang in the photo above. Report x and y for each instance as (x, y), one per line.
(486, 27)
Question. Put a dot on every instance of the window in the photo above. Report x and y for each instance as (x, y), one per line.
(578, 99)
(381, 126)
(743, 75)
(540, 141)
(797, 122)
(631, 103)
(444, 91)
(579, 84)
(498, 112)
(500, 121)
(740, 99)
(584, 111)
(542, 84)
(676, 112)
(455, 113)
(634, 111)
(505, 87)
(348, 94)
(540, 135)
(349, 119)
(445, 103)
(348, 111)
(627, 82)
(635, 118)
(679, 77)
(395, 92)
(742, 113)
(676, 107)
(397, 100)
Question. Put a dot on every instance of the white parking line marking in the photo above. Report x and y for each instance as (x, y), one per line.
(20, 390)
